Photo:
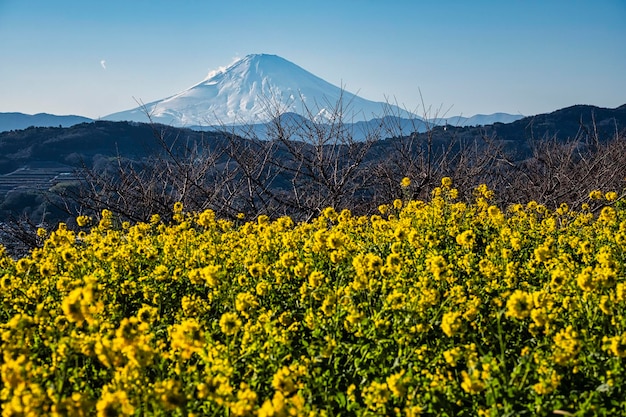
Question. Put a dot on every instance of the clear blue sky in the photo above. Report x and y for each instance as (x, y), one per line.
(466, 57)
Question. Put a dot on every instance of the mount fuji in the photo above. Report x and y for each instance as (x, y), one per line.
(251, 90)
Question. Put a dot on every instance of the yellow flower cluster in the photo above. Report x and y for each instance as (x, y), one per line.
(436, 307)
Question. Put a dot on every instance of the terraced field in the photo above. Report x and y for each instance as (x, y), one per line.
(36, 176)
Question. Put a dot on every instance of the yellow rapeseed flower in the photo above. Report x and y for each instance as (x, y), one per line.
(115, 403)
(335, 240)
(283, 381)
(75, 305)
(616, 345)
(472, 382)
(519, 305)
(466, 238)
(596, 195)
(316, 279)
(83, 221)
(376, 395)
(187, 337)
(566, 346)
(446, 182)
(451, 323)
(245, 302)
(396, 385)
(169, 394)
(230, 323)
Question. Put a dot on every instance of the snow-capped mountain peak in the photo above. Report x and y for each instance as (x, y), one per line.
(253, 90)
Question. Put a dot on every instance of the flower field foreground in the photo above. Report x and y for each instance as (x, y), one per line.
(433, 308)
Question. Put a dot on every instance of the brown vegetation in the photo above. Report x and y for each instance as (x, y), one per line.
(300, 167)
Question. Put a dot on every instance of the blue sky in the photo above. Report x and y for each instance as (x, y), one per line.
(94, 58)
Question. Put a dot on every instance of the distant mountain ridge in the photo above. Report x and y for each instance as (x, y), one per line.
(251, 90)
(17, 121)
(86, 140)
(479, 119)
(361, 129)
(571, 122)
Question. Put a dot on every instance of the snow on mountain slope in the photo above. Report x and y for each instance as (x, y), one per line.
(242, 92)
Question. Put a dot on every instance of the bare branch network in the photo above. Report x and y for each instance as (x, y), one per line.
(299, 165)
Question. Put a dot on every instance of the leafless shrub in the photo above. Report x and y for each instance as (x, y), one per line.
(566, 171)
(425, 153)
(320, 161)
(191, 172)
(19, 235)
(299, 165)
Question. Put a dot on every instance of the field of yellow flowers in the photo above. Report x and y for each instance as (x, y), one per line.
(431, 308)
